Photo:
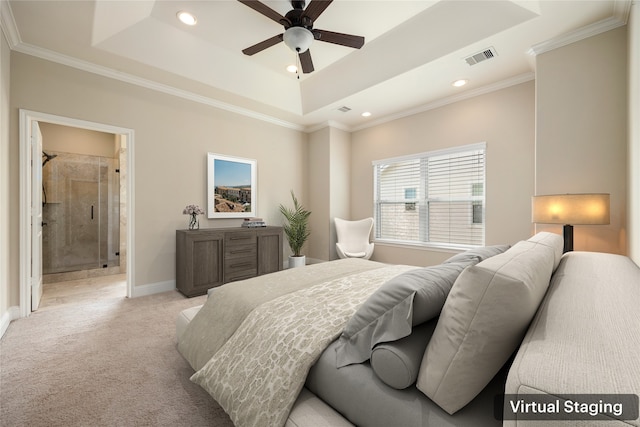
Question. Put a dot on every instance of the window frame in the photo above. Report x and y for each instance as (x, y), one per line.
(422, 202)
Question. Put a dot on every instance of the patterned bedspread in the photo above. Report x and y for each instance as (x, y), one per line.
(258, 373)
(229, 304)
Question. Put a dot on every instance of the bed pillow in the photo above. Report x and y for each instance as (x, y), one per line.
(484, 320)
(554, 241)
(389, 313)
(397, 363)
(480, 253)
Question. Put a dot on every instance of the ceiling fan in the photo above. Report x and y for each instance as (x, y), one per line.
(299, 31)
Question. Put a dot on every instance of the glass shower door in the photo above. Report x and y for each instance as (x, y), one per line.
(81, 213)
(82, 250)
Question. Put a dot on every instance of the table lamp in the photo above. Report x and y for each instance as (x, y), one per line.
(570, 210)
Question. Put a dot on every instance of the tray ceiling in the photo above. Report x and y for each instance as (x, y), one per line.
(413, 50)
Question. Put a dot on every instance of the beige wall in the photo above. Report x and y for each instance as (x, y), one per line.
(329, 161)
(633, 178)
(581, 128)
(78, 141)
(319, 186)
(340, 174)
(503, 119)
(5, 249)
(172, 138)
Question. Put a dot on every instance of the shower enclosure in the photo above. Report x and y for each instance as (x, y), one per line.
(81, 212)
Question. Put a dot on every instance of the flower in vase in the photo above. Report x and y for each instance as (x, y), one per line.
(193, 211)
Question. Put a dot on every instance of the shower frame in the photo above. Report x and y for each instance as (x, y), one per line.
(81, 214)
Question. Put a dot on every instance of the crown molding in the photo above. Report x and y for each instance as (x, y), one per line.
(9, 28)
(8, 24)
(622, 9)
(329, 123)
(591, 30)
(522, 78)
(89, 67)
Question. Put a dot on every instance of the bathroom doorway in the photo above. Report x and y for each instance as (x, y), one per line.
(81, 201)
(105, 180)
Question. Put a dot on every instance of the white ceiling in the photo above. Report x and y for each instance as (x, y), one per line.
(413, 50)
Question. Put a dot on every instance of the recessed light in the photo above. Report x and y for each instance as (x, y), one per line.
(292, 69)
(459, 83)
(366, 114)
(186, 18)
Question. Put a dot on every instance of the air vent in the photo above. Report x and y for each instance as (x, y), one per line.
(481, 56)
(344, 109)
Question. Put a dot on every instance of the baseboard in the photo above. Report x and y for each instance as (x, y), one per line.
(12, 313)
(153, 288)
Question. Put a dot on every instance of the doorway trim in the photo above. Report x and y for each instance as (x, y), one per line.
(26, 119)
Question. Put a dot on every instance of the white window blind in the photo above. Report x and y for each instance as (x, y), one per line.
(435, 198)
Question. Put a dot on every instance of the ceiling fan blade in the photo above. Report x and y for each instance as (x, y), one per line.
(339, 38)
(306, 62)
(265, 10)
(258, 47)
(315, 8)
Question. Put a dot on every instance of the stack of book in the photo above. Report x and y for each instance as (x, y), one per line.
(253, 222)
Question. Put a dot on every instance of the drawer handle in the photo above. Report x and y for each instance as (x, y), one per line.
(241, 251)
(242, 264)
(240, 238)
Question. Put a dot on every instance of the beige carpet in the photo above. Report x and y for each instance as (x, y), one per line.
(107, 363)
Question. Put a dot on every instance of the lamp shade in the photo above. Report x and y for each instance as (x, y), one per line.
(298, 39)
(574, 209)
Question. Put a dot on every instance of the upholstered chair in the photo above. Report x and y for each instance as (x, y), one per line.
(353, 238)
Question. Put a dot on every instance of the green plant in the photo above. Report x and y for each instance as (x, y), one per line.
(297, 225)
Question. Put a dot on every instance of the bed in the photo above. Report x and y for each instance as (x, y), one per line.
(253, 342)
(259, 344)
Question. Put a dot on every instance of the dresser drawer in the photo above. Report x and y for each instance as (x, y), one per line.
(239, 238)
(240, 268)
(240, 251)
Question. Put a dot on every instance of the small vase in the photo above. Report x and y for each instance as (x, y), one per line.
(193, 222)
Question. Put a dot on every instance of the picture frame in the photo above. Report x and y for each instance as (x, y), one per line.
(232, 190)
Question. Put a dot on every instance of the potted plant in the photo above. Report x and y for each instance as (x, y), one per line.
(296, 228)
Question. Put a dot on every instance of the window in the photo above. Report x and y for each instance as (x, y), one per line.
(477, 190)
(435, 198)
(410, 194)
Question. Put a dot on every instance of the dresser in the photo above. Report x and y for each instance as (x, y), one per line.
(209, 257)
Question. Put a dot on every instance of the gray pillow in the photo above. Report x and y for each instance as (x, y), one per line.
(484, 320)
(481, 253)
(397, 363)
(408, 299)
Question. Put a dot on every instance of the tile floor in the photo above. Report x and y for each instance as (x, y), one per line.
(81, 290)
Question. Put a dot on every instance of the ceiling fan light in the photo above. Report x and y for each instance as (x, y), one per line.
(298, 39)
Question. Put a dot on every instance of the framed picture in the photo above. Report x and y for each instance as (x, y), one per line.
(231, 187)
